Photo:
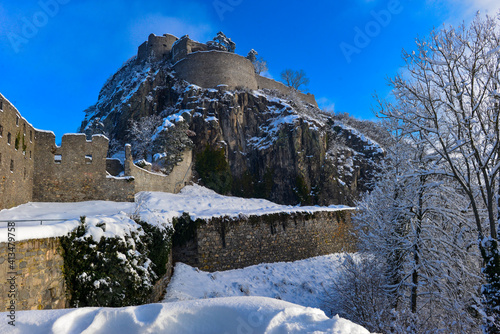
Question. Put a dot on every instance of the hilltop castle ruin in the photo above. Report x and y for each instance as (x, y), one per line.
(204, 66)
(34, 168)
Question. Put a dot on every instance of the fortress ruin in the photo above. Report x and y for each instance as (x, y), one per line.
(34, 169)
(200, 64)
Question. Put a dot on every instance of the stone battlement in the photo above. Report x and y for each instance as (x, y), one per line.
(34, 169)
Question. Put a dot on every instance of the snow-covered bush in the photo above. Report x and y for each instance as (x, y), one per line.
(114, 271)
(358, 293)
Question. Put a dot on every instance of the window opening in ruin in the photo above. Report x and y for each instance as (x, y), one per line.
(24, 129)
(57, 158)
(1, 131)
(12, 166)
(30, 154)
(88, 158)
(25, 173)
(1, 105)
(31, 136)
(0, 158)
(8, 138)
(17, 120)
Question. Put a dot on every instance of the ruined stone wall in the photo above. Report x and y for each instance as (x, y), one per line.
(231, 243)
(209, 69)
(76, 171)
(17, 142)
(148, 181)
(266, 83)
(39, 277)
(156, 47)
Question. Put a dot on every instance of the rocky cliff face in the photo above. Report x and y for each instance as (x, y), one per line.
(247, 143)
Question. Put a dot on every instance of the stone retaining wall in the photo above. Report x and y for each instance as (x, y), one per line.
(39, 277)
(231, 243)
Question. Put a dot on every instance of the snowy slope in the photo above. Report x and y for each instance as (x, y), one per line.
(220, 315)
(300, 282)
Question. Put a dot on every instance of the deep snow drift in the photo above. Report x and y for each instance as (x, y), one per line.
(217, 316)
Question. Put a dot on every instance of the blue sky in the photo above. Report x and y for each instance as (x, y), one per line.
(55, 55)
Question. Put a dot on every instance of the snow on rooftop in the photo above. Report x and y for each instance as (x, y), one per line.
(219, 315)
(153, 207)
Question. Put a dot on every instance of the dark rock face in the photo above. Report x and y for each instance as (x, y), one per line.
(276, 147)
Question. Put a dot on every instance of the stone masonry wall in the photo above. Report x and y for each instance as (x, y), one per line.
(76, 171)
(266, 83)
(39, 276)
(17, 142)
(148, 181)
(39, 279)
(209, 69)
(231, 243)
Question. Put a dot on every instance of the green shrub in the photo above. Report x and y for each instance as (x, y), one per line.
(114, 272)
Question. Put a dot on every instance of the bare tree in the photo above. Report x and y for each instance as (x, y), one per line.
(294, 79)
(142, 134)
(449, 96)
(259, 64)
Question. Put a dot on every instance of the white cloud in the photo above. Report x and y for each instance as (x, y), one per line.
(159, 25)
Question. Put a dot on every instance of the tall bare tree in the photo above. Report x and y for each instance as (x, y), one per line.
(449, 95)
(294, 79)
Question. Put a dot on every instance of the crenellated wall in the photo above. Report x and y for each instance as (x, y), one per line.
(76, 171)
(17, 145)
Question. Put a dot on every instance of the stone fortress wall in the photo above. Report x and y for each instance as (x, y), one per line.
(197, 64)
(76, 171)
(17, 146)
(34, 168)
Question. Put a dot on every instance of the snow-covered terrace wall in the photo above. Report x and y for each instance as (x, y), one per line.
(223, 243)
(266, 83)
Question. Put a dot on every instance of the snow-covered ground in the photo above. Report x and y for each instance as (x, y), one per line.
(217, 316)
(153, 207)
(190, 306)
(303, 282)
